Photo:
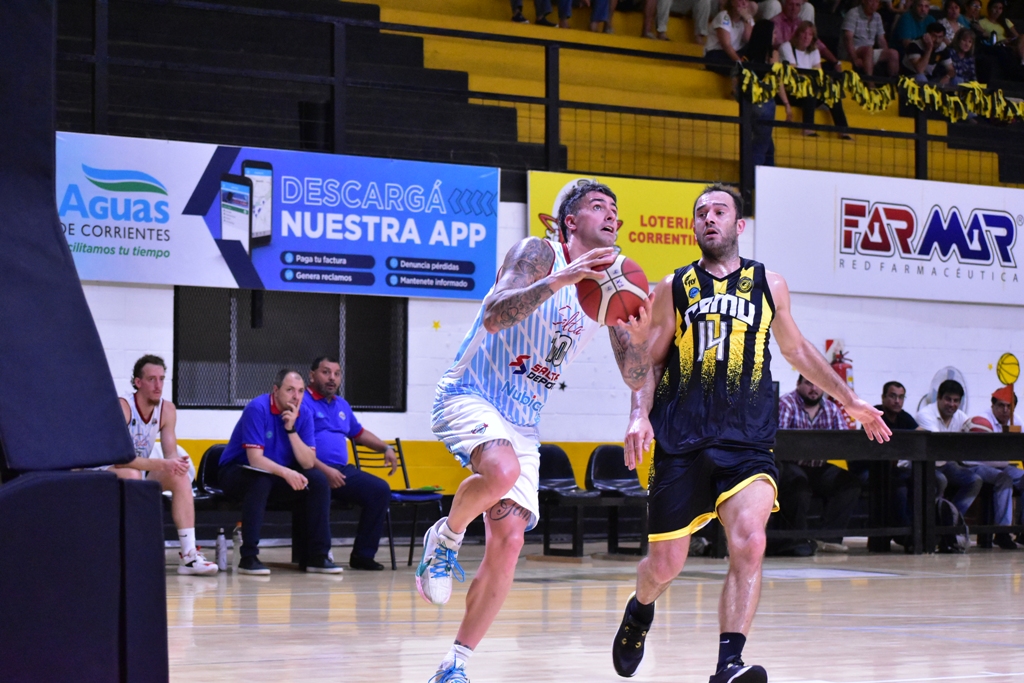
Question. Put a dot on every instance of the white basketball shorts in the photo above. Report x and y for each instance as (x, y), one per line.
(465, 421)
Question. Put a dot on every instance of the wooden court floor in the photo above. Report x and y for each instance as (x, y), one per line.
(881, 618)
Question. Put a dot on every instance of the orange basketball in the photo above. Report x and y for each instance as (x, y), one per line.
(978, 425)
(617, 295)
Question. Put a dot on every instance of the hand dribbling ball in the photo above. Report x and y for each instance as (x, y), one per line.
(618, 295)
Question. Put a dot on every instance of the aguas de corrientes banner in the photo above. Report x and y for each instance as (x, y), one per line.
(859, 235)
(655, 216)
(182, 213)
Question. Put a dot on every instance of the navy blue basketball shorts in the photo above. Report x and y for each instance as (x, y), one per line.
(686, 490)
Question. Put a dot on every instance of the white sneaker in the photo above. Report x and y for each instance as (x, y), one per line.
(437, 566)
(196, 565)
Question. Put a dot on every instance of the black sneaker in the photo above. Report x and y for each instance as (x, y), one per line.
(367, 563)
(628, 648)
(1005, 542)
(321, 564)
(519, 18)
(735, 671)
(252, 565)
(544, 21)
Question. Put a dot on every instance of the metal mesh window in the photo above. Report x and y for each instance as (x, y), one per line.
(228, 344)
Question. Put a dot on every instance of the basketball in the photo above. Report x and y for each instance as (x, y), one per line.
(616, 296)
(978, 425)
(1007, 368)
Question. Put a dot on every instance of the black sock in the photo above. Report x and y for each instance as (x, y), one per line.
(641, 612)
(730, 645)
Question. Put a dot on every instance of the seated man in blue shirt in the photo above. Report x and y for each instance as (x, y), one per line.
(270, 457)
(334, 424)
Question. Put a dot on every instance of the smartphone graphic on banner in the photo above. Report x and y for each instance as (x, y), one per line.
(236, 208)
(261, 174)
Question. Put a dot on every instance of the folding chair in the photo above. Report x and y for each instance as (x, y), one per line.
(367, 460)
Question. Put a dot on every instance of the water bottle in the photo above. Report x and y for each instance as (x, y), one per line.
(222, 551)
(236, 547)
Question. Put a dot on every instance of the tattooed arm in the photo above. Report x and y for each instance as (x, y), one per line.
(630, 344)
(647, 373)
(527, 281)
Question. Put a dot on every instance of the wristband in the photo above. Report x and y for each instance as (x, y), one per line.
(289, 431)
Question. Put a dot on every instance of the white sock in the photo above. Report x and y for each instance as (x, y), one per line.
(459, 654)
(188, 540)
(454, 539)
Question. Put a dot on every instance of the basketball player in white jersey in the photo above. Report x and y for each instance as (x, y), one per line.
(488, 404)
(147, 415)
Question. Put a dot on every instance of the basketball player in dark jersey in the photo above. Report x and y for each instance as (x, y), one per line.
(708, 400)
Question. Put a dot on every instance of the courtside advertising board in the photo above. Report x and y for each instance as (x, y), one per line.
(181, 213)
(859, 235)
(656, 217)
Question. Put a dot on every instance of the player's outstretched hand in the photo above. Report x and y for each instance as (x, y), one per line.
(639, 436)
(871, 418)
(639, 326)
(584, 266)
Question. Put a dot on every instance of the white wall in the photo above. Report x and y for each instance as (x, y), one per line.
(886, 338)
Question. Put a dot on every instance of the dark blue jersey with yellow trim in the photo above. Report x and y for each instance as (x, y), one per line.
(717, 386)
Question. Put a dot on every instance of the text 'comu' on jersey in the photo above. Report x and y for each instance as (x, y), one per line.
(515, 369)
(717, 386)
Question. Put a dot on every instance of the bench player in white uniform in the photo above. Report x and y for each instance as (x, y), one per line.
(488, 404)
(147, 414)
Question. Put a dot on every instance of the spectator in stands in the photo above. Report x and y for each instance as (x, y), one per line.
(271, 458)
(769, 9)
(803, 52)
(147, 415)
(952, 20)
(788, 22)
(863, 40)
(972, 13)
(945, 416)
(701, 10)
(806, 408)
(913, 24)
(999, 33)
(962, 55)
(759, 51)
(927, 59)
(333, 425)
(730, 31)
(543, 9)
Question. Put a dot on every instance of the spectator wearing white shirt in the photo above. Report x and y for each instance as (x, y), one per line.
(729, 31)
(802, 52)
(945, 416)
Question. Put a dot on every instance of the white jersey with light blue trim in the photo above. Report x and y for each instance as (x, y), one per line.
(516, 368)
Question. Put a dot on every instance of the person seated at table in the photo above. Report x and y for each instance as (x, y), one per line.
(334, 424)
(271, 458)
(1001, 475)
(944, 415)
(807, 408)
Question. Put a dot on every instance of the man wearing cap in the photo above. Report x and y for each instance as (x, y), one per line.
(1004, 477)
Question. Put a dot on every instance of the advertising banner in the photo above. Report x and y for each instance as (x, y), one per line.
(182, 213)
(858, 235)
(656, 217)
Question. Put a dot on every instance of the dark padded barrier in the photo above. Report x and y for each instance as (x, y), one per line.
(144, 623)
(60, 584)
(82, 593)
(47, 334)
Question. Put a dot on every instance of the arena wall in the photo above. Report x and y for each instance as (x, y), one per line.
(885, 338)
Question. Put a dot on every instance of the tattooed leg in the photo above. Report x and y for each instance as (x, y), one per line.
(495, 470)
(505, 523)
